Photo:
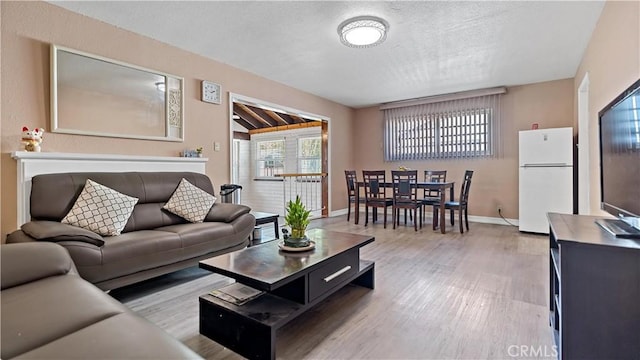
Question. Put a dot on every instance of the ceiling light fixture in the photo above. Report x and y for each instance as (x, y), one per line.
(363, 31)
(160, 86)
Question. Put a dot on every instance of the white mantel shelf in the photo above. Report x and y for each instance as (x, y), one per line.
(77, 156)
(31, 164)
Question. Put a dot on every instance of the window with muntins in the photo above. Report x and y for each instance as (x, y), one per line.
(309, 155)
(464, 128)
(270, 157)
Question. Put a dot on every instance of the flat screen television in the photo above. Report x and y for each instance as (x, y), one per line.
(619, 124)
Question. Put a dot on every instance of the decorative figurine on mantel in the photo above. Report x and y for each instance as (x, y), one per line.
(31, 139)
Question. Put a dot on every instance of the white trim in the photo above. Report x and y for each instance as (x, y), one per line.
(30, 164)
(444, 97)
(584, 181)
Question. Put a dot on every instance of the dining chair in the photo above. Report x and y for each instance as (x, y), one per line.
(350, 176)
(460, 205)
(375, 195)
(405, 196)
(432, 196)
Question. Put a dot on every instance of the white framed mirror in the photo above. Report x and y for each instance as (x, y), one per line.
(94, 95)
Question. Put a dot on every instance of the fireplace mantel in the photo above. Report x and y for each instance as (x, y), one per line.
(31, 164)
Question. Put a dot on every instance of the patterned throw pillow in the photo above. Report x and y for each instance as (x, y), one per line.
(101, 210)
(190, 202)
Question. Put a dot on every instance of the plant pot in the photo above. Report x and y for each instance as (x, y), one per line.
(297, 238)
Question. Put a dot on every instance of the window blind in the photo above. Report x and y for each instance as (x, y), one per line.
(464, 128)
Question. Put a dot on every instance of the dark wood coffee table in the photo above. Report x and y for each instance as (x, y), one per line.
(293, 282)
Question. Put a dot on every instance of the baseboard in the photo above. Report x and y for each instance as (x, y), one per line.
(472, 218)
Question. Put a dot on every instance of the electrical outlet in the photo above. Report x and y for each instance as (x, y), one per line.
(216, 146)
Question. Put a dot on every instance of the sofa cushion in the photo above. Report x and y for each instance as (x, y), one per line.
(55, 231)
(190, 202)
(219, 235)
(100, 209)
(123, 336)
(40, 312)
(126, 254)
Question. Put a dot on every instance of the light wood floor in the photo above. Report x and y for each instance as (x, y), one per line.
(469, 296)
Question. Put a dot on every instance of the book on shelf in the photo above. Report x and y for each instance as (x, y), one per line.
(236, 293)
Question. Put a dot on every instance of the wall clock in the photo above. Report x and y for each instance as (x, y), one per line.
(211, 92)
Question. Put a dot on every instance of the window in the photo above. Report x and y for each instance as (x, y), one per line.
(452, 129)
(309, 155)
(269, 158)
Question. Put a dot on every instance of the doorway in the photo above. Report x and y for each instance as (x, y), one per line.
(274, 146)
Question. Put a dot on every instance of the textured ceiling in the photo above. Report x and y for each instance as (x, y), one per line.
(431, 48)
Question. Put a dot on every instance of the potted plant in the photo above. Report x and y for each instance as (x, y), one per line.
(199, 151)
(297, 218)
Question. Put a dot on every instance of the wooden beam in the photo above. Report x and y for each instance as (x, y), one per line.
(246, 124)
(263, 114)
(237, 135)
(325, 168)
(253, 114)
(286, 127)
(276, 117)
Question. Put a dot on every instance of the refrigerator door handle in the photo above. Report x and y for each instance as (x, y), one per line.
(545, 165)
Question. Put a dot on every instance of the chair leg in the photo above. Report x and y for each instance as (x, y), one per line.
(385, 216)
(435, 221)
(349, 210)
(393, 216)
(466, 217)
(415, 219)
(452, 214)
(366, 215)
(460, 220)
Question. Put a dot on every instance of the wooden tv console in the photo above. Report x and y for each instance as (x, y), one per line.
(594, 282)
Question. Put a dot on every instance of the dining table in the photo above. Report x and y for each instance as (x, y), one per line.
(427, 185)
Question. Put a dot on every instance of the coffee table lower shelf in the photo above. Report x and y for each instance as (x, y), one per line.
(250, 329)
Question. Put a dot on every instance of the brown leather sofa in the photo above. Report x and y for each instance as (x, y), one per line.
(49, 312)
(154, 241)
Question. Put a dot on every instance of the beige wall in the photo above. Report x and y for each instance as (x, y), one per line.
(495, 181)
(612, 60)
(28, 29)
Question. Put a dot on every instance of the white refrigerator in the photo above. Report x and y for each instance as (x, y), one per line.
(546, 176)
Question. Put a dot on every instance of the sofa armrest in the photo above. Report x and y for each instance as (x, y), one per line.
(56, 231)
(27, 262)
(225, 212)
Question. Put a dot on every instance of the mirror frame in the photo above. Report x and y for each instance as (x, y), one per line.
(168, 103)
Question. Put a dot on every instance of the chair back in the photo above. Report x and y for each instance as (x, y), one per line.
(350, 176)
(373, 184)
(405, 186)
(434, 176)
(466, 185)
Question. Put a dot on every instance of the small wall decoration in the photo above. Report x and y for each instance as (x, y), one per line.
(192, 153)
(174, 108)
(31, 139)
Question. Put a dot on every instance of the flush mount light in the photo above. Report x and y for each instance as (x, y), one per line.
(363, 31)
